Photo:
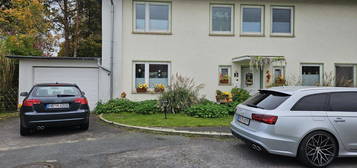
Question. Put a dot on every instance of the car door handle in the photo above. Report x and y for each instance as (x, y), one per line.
(339, 120)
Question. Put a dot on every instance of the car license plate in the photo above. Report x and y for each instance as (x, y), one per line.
(57, 106)
(243, 120)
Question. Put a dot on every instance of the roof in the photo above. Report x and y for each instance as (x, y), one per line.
(249, 57)
(293, 89)
(52, 58)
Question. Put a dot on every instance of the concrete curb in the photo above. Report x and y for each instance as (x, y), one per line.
(167, 130)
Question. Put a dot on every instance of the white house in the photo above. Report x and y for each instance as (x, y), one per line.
(308, 42)
(249, 44)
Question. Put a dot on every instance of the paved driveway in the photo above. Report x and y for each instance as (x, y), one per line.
(107, 146)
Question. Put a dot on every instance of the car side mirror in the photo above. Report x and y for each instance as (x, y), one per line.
(24, 94)
(83, 93)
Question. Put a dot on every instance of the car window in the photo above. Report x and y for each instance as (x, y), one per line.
(316, 102)
(53, 91)
(346, 101)
(268, 100)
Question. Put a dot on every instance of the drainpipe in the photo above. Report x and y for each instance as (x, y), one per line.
(112, 51)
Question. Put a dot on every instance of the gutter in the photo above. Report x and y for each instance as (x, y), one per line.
(112, 51)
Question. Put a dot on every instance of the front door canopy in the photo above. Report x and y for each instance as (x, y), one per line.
(259, 61)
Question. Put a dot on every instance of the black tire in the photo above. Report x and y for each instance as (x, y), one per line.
(24, 131)
(318, 149)
(84, 126)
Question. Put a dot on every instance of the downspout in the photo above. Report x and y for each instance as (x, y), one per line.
(112, 51)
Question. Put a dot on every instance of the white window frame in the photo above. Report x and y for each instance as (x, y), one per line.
(147, 17)
(261, 33)
(313, 65)
(220, 67)
(147, 72)
(354, 72)
(231, 32)
(292, 21)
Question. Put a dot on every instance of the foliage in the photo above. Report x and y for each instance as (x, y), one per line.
(146, 107)
(115, 106)
(79, 24)
(173, 120)
(7, 70)
(181, 94)
(25, 28)
(232, 107)
(240, 95)
(143, 86)
(210, 110)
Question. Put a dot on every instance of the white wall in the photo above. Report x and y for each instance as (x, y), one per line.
(26, 73)
(325, 32)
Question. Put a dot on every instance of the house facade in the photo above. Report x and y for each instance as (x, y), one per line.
(224, 44)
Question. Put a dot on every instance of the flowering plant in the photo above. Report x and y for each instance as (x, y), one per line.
(159, 87)
(143, 86)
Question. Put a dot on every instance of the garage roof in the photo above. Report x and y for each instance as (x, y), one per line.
(52, 58)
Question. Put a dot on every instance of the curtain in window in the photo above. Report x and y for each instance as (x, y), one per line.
(158, 74)
(159, 17)
(252, 19)
(281, 20)
(221, 18)
(140, 16)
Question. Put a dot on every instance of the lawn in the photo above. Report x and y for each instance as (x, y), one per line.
(173, 120)
(4, 115)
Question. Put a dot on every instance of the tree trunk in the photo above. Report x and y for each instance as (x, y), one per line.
(66, 28)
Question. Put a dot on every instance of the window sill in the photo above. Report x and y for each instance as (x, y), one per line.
(282, 35)
(224, 84)
(224, 35)
(153, 33)
(252, 35)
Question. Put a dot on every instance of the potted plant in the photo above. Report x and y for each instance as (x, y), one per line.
(223, 97)
(142, 88)
(159, 88)
(224, 79)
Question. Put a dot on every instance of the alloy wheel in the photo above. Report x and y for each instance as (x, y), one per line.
(320, 150)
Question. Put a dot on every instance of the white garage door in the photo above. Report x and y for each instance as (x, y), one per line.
(85, 78)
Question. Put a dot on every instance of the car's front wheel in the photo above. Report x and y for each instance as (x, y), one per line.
(84, 126)
(318, 149)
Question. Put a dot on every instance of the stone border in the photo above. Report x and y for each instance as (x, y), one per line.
(168, 130)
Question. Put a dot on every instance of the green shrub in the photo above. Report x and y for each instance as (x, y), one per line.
(240, 95)
(209, 110)
(147, 107)
(180, 95)
(232, 107)
(115, 106)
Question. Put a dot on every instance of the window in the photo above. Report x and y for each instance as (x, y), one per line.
(345, 75)
(221, 19)
(279, 75)
(252, 20)
(224, 75)
(315, 102)
(152, 17)
(343, 101)
(151, 73)
(311, 74)
(268, 100)
(282, 21)
(54, 91)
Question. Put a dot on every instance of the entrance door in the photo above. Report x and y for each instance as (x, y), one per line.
(250, 79)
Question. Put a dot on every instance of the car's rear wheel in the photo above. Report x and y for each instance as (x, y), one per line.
(24, 131)
(84, 126)
(318, 149)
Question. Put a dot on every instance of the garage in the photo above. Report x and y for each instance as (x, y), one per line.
(85, 72)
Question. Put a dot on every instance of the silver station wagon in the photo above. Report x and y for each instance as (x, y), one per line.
(315, 124)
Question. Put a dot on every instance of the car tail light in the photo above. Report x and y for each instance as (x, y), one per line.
(81, 100)
(268, 119)
(31, 102)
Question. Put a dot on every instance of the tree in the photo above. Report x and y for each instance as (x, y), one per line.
(79, 23)
(25, 27)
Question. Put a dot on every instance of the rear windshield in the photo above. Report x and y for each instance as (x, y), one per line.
(55, 91)
(268, 100)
